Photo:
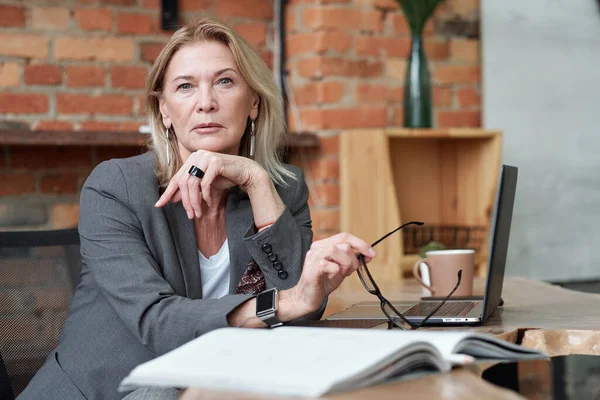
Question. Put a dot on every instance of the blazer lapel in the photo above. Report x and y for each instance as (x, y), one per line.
(238, 218)
(184, 237)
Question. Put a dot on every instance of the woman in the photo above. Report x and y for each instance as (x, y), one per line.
(182, 240)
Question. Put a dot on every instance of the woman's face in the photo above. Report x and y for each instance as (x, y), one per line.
(205, 100)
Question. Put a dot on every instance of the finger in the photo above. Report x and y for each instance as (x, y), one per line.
(171, 189)
(193, 184)
(209, 177)
(185, 198)
(347, 261)
(176, 198)
(330, 268)
(358, 244)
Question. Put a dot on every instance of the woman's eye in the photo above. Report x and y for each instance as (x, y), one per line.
(184, 86)
(225, 81)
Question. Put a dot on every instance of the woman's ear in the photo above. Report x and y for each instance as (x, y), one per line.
(254, 106)
(164, 112)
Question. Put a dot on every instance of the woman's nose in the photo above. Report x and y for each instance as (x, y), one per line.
(206, 100)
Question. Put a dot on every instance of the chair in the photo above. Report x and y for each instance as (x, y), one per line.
(38, 274)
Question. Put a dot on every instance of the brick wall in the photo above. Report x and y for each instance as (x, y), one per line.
(80, 65)
(347, 63)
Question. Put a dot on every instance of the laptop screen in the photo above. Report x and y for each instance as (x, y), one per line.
(500, 232)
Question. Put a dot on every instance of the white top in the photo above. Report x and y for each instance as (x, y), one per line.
(214, 272)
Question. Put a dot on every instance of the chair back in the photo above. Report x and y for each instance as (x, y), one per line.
(38, 273)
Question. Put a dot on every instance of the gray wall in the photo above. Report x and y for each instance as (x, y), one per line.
(541, 86)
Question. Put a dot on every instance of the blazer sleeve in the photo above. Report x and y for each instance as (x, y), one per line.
(288, 239)
(115, 252)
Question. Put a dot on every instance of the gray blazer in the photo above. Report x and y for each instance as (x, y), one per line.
(140, 293)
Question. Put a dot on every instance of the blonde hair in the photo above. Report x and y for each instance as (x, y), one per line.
(270, 124)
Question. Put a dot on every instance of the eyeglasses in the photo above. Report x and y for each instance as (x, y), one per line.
(395, 317)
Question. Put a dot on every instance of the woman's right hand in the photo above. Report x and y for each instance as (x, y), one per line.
(327, 264)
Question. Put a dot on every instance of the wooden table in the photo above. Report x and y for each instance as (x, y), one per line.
(535, 314)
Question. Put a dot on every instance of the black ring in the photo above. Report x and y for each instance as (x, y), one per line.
(197, 172)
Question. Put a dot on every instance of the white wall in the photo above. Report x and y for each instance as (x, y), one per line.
(541, 86)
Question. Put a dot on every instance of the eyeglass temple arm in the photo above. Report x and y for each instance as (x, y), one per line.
(441, 303)
(395, 230)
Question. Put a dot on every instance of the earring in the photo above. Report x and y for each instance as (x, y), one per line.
(168, 150)
(252, 135)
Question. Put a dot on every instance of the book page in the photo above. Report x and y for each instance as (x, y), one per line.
(285, 361)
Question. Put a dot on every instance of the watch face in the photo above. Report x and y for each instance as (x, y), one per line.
(265, 301)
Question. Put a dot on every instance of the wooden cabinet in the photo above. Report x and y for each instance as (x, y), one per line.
(444, 178)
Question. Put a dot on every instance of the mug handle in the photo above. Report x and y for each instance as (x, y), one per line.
(417, 275)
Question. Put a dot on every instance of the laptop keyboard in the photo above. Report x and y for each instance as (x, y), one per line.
(450, 309)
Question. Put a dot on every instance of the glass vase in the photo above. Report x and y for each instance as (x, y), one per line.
(417, 88)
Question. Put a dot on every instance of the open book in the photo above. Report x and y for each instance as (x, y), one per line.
(311, 362)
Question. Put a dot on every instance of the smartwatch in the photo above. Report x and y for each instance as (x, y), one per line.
(266, 307)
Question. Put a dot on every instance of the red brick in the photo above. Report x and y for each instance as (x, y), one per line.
(386, 4)
(327, 66)
(255, 33)
(342, 18)
(16, 184)
(153, 4)
(317, 42)
(150, 51)
(319, 92)
(195, 5)
(23, 103)
(457, 74)
(12, 16)
(119, 2)
(51, 125)
(51, 18)
(51, 299)
(91, 19)
(52, 157)
(396, 47)
(258, 9)
(436, 49)
(59, 183)
(43, 74)
(325, 219)
(128, 77)
(468, 97)
(400, 24)
(329, 145)
(458, 119)
(322, 169)
(326, 194)
(467, 51)
(376, 93)
(267, 57)
(10, 74)
(398, 116)
(85, 104)
(134, 23)
(23, 45)
(341, 118)
(85, 76)
(99, 126)
(95, 48)
(367, 45)
(442, 96)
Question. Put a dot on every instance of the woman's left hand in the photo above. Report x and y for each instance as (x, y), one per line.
(221, 172)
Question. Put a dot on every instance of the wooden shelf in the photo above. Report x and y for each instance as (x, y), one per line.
(446, 178)
(17, 137)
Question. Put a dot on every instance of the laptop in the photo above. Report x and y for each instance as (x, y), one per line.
(474, 311)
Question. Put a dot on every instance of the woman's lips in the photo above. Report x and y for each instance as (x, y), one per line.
(207, 129)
